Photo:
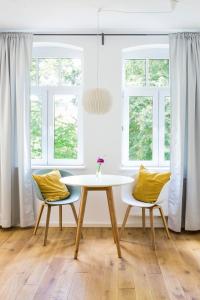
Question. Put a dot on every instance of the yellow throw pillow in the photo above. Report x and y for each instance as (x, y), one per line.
(149, 185)
(51, 187)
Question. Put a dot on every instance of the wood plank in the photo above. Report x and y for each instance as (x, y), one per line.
(78, 287)
(49, 279)
(133, 251)
(158, 288)
(22, 255)
(126, 294)
(188, 251)
(64, 279)
(95, 287)
(110, 278)
(125, 275)
(156, 283)
(5, 235)
(171, 267)
(27, 292)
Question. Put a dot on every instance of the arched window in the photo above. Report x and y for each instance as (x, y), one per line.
(146, 116)
(56, 82)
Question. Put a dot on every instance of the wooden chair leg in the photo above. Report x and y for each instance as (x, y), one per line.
(38, 218)
(152, 228)
(164, 222)
(124, 221)
(47, 224)
(143, 218)
(75, 215)
(60, 217)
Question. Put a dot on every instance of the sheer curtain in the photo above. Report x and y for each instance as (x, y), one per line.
(184, 201)
(16, 200)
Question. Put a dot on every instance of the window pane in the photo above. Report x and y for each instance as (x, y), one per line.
(167, 128)
(36, 127)
(140, 127)
(33, 72)
(70, 71)
(65, 126)
(49, 69)
(159, 72)
(135, 73)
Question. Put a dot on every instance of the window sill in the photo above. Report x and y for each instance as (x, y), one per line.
(79, 167)
(136, 168)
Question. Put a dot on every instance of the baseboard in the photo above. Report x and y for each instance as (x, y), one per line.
(133, 222)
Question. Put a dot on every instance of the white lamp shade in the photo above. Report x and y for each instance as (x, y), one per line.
(97, 101)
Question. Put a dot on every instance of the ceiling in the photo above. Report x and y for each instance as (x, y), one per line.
(81, 15)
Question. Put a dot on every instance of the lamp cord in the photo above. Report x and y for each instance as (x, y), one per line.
(97, 45)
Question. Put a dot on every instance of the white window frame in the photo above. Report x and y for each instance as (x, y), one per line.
(149, 92)
(158, 94)
(42, 94)
(46, 93)
(63, 91)
(163, 92)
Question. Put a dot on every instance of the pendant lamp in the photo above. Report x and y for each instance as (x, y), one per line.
(97, 100)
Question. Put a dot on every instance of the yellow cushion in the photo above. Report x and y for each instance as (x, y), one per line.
(149, 185)
(51, 187)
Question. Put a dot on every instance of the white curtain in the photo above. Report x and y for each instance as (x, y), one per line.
(16, 200)
(184, 201)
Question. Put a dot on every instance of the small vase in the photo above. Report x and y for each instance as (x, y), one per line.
(98, 172)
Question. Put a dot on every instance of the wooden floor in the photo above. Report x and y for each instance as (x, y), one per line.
(30, 271)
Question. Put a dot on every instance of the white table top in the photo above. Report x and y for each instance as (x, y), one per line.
(94, 181)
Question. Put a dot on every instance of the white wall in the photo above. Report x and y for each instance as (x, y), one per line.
(102, 134)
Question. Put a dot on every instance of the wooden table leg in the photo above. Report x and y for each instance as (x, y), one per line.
(111, 216)
(80, 219)
(113, 219)
(75, 215)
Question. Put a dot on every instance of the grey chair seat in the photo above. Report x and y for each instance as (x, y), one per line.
(71, 199)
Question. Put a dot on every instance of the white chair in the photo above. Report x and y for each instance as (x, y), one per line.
(127, 197)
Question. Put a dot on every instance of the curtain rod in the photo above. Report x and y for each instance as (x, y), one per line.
(101, 34)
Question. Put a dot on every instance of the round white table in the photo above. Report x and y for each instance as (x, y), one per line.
(95, 183)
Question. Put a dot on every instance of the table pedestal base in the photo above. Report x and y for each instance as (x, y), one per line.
(111, 207)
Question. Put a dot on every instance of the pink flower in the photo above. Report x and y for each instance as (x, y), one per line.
(100, 160)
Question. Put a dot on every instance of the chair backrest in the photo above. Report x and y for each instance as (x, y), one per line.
(45, 171)
(127, 191)
(164, 194)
